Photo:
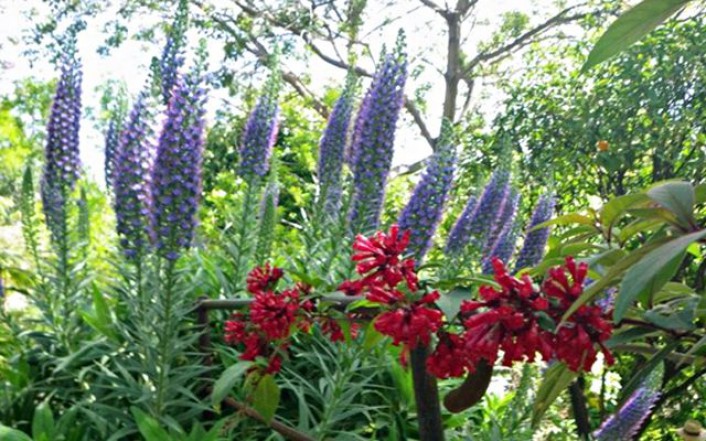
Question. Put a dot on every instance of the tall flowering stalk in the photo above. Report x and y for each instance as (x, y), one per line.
(332, 147)
(260, 134)
(473, 226)
(176, 175)
(535, 240)
(507, 210)
(424, 210)
(62, 164)
(172, 59)
(112, 140)
(373, 140)
(132, 180)
(627, 421)
(268, 216)
(503, 247)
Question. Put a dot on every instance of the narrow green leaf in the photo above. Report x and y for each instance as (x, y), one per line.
(9, 434)
(556, 378)
(266, 397)
(227, 380)
(450, 303)
(629, 335)
(631, 27)
(372, 337)
(645, 370)
(677, 197)
(567, 219)
(149, 427)
(652, 271)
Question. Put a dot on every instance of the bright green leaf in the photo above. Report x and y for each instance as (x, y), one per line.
(148, 426)
(266, 397)
(616, 207)
(43, 423)
(227, 381)
(8, 434)
(631, 27)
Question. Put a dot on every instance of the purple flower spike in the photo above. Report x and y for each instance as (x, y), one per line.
(503, 248)
(373, 141)
(426, 206)
(62, 164)
(624, 424)
(332, 147)
(176, 175)
(507, 211)
(535, 241)
(173, 53)
(112, 141)
(260, 134)
(473, 226)
(133, 161)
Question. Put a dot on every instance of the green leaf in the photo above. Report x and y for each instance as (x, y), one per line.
(567, 219)
(9, 434)
(43, 423)
(700, 194)
(227, 380)
(616, 207)
(372, 337)
(148, 426)
(677, 197)
(450, 303)
(629, 335)
(266, 397)
(631, 27)
(652, 271)
(556, 378)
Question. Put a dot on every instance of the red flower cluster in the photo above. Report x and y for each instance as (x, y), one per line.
(408, 318)
(273, 315)
(507, 320)
(587, 328)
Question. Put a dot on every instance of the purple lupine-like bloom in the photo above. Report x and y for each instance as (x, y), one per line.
(535, 241)
(372, 146)
(503, 248)
(625, 423)
(473, 226)
(176, 175)
(460, 234)
(332, 147)
(133, 161)
(112, 140)
(173, 53)
(62, 164)
(426, 206)
(507, 211)
(260, 134)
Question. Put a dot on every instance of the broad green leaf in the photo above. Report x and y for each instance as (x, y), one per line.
(616, 207)
(43, 423)
(652, 271)
(149, 427)
(556, 378)
(631, 27)
(9, 434)
(450, 303)
(655, 213)
(700, 194)
(227, 380)
(677, 197)
(638, 226)
(266, 397)
(372, 337)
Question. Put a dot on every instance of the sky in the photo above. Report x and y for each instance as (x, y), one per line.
(129, 62)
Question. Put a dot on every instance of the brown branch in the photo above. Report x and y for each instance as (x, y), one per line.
(434, 7)
(524, 39)
(279, 427)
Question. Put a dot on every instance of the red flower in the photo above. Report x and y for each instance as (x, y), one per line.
(411, 325)
(578, 340)
(352, 287)
(274, 314)
(235, 329)
(508, 322)
(263, 278)
(450, 358)
(380, 262)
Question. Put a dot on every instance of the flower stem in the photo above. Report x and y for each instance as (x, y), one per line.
(426, 395)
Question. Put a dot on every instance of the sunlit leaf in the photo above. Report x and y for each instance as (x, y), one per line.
(227, 380)
(677, 197)
(556, 379)
(265, 398)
